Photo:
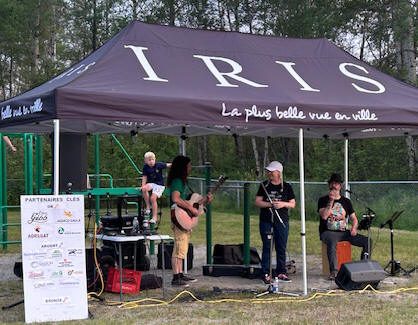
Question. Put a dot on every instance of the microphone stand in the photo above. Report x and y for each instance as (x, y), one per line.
(368, 218)
(276, 212)
(365, 223)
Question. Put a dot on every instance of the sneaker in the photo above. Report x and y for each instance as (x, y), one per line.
(179, 283)
(187, 278)
(147, 213)
(266, 279)
(283, 278)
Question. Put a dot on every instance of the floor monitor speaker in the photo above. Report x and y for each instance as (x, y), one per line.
(357, 275)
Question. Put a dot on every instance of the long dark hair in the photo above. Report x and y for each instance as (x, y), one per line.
(178, 169)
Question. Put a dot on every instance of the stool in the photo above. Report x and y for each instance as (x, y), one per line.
(343, 255)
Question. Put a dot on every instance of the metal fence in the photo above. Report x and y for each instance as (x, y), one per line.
(383, 197)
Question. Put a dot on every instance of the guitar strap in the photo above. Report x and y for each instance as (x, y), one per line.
(190, 188)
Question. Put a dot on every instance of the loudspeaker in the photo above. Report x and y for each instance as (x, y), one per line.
(73, 162)
(233, 254)
(142, 260)
(357, 275)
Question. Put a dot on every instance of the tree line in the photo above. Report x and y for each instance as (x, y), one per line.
(40, 38)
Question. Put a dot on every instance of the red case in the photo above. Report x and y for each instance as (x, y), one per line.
(131, 280)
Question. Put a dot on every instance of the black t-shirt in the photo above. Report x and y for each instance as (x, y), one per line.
(275, 192)
(339, 205)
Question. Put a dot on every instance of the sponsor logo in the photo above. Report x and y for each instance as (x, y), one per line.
(68, 218)
(38, 233)
(36, 264)
(42, 285)
(35, 255)
(38, 217)
(57, 274)
(56, 253)
(65, 263)
(62, 231)
(36, 275)
(74, 251)
(69, 283)
(56, 300)
(52, 245)
(75, 273)
(38, 236)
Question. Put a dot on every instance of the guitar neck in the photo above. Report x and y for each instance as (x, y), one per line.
(213, 191)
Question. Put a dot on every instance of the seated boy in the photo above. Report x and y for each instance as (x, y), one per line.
(152, 180)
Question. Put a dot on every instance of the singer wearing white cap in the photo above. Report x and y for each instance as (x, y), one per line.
(274, 198)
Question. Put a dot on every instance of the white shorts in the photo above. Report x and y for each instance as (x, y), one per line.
(157, 189)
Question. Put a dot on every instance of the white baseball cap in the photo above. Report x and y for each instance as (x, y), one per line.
(275, 165)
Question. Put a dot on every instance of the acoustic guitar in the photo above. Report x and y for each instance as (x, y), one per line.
(183, 218)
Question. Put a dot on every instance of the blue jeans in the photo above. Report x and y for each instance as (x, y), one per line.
(280, 235)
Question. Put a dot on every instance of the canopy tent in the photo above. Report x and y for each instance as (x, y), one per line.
(153, 78)
(170, 80)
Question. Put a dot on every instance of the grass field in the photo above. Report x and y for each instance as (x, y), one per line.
(337, 308)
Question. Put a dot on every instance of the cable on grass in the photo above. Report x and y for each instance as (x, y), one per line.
(152, 302)
(96, 295)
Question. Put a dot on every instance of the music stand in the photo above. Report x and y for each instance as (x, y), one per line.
(395, 266)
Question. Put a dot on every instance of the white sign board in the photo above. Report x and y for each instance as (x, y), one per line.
(53, 255)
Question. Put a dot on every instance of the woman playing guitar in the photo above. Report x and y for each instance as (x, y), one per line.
(179, 189)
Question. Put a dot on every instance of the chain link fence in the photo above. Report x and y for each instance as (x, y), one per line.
(383, 197)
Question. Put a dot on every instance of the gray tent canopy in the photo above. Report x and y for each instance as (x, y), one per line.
(157, 79)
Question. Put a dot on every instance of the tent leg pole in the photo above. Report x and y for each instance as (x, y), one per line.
(347, 185)
(56, 155)
(302, 211)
